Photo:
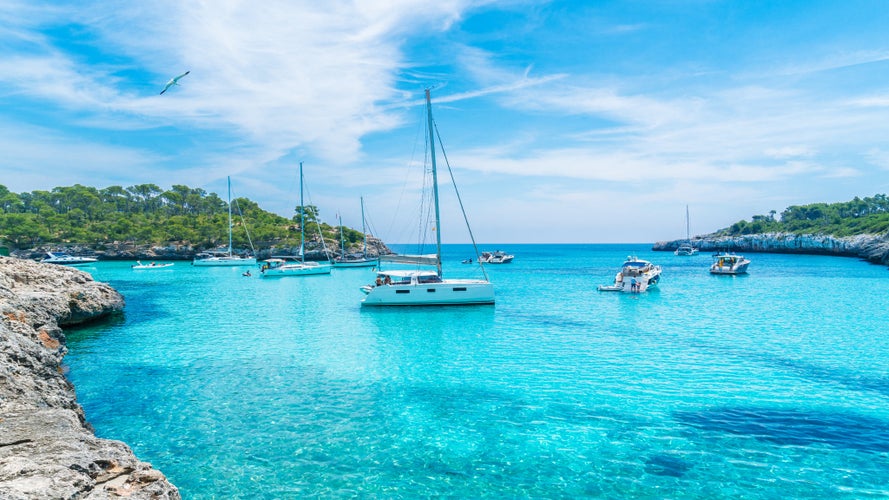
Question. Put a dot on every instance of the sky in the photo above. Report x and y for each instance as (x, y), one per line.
(591, 121)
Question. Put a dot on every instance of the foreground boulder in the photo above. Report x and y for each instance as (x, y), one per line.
(47, 448)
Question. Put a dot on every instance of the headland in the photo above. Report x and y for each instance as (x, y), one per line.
(870, 247)
(47, 447)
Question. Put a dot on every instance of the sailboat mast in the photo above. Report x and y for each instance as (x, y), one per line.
(363, 230)
(302, 217)
(229, 216)
(687, 229)
(342, 238)
(434, 181)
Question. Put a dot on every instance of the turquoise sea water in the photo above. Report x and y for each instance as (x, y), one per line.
(770, 385)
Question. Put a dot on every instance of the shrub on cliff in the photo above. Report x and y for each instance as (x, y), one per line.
(859, 216)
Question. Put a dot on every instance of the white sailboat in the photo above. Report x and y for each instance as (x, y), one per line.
(355, 260)
(280, 267)
(416, 287)
(211, 258)
(686, 249)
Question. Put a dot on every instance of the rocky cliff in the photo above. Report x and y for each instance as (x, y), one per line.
(873, 248)
(47, 449)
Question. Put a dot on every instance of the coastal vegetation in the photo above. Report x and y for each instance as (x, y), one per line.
(148, 215)
(850, 218)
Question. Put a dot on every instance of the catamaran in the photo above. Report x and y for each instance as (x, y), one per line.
(279, 267)
(214, 258)
(416, 287)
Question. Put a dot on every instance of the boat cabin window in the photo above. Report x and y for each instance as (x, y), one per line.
(459, 288)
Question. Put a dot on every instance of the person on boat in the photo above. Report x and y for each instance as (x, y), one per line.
(634, 286)
(388, 280)
(379, 281)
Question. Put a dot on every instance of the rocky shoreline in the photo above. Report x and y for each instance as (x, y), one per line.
(47, 448)
(870, 247)
(128, 251)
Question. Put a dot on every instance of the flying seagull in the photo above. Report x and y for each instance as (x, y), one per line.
(174, 81)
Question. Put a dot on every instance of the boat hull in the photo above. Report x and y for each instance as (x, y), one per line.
(357, 263)
(67, 260)
(627, 286)
(739, 269)
(150, 267)
(447, 292)
(224, 262)
(729, 264)
(295, 270)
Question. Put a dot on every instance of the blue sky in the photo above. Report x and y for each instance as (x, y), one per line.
(564, 121)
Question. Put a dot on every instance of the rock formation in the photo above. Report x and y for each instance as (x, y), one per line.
(126, 251)
(873, 248)
(47, 449)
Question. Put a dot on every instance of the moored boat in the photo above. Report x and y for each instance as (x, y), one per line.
(686, 249)
(296, 266)
(279, 267)
(66, 259)
(417, 287)
(729, 263)
(355, 260)
(220, 257)
(496, 257)
(635, 275)
(152, 265)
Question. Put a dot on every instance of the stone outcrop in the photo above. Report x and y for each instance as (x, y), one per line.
(47, 448)
(873, 248)
(128, 251)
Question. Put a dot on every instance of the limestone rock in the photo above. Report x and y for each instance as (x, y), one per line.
(871, 247)
(47, 449)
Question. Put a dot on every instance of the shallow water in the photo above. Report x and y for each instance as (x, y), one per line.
(770, 385)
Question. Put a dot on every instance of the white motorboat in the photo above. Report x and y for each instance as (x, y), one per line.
(355, 260)
(224, 258)
(280, 267)
(152, 265)
(296, 266)
(496, 257)
(686, 249)
(729, 263)
(635, 275)
(416, 287)
(67, 260)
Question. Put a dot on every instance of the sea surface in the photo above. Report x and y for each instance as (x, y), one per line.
(769, 385)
